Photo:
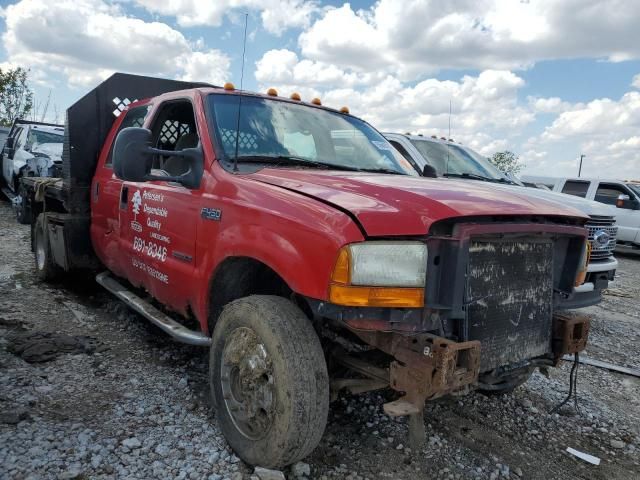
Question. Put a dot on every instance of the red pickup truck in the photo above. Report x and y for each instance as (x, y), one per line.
(289, 238)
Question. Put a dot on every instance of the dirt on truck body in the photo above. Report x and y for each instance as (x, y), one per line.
(291, 239)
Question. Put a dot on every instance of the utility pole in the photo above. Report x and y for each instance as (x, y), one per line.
(580, 168)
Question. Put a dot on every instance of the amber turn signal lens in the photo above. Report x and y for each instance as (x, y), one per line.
(229, 86)
(341, 271)
(376, 296)
(582, 273)
(272, 92)
(295, 96)
(316, 101)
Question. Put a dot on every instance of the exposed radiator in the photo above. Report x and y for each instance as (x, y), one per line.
(509, 296)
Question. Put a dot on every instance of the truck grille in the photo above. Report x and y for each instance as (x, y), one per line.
(596, 224)
(509, 300)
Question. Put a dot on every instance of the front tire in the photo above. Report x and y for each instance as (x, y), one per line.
(46, 269)
(269, 381)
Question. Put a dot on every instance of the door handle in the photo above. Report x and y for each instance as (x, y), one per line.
(96, 192)
(124, 198)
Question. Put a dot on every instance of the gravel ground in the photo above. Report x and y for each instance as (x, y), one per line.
(138, 406)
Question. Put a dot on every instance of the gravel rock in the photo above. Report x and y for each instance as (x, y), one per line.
(132, 443)
(618, 444)
(300, 470)
(267, 474)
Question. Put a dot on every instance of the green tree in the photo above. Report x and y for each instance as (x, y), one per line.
(16, 98)
(507, 161)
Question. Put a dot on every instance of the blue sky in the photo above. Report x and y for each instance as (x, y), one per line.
(530, 76)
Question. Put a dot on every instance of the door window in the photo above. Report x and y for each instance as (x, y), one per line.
(133, 118)
(608, 193)
(19, 138)
(576, 187)
(174, 128)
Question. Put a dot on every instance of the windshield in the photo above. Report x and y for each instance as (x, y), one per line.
(635, 187)
(448, 158)
(276, 129)
(39, 136)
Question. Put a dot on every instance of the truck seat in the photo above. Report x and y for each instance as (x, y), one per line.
(176, 165)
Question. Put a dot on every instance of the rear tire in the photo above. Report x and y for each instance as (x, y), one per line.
(269, 381)
(23, 209)
(46, 269)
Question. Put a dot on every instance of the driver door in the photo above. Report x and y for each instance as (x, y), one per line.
(158, 219)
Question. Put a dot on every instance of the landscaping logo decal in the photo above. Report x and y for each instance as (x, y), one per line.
(136, 201)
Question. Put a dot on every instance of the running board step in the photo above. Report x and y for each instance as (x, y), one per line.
(151, 313)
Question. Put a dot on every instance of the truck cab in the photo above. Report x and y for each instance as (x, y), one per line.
(289, 239)
(453, 160)
(620, 198)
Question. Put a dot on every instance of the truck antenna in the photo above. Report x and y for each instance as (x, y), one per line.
(244, 49)
(449, 137)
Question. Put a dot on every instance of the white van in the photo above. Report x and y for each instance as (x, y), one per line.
(621, 198)
(445, 158)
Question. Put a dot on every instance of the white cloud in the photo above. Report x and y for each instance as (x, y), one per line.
(548, 105)
(598, 118)
(422, 36)
(276, 15)
(87, 40)
(209, 66)
(636, 81)
(605, 130)
(284, 67)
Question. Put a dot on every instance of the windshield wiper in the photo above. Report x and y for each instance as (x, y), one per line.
(474, 176)
(290, 160)
(380, 170)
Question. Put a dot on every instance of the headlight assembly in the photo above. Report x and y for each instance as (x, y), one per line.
(380, 274)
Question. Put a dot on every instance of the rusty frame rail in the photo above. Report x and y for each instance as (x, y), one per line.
(570, 334)
(425, 366)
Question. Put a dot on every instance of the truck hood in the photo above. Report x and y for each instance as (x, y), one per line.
(52, 150)
(392, 205)
(588, 207)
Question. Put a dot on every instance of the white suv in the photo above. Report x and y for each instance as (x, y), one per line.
(450, 159)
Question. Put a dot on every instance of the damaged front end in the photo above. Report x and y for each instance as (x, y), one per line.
(488, 318)
(41, 165)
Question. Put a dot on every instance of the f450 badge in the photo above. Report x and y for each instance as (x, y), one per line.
(211, 214)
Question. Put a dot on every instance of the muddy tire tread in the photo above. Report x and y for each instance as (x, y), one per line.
(309, 379)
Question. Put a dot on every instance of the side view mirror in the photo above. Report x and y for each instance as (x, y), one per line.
(133, 159)
(429, 171)
(624, 201)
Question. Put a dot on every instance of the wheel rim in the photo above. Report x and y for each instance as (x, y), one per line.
(247, 382)
(40, 252)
